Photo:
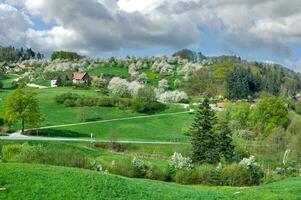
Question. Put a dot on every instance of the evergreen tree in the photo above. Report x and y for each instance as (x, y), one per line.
(204, 139)
(225, 146)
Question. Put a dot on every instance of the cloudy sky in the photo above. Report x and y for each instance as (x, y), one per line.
(266, 30)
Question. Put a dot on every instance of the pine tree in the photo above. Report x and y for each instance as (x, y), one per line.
(225, 146)
(204, 139)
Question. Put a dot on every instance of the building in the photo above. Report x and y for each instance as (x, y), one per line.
(20, 67)
(4, 67)
(56, 82)
(81, 78)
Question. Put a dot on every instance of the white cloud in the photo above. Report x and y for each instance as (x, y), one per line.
(107, 25)
(13, 23)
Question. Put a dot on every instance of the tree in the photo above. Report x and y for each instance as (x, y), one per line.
(225, 146)
(270, 113)
(65, 55)
(145, 101)
(22, 106)
(204, 138)
(241, 83)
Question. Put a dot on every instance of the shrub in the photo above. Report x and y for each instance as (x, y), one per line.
(122, 168)
(39, 154)
(70, 103)
(141, 106)
(177, 161)
(60, 99)
(156, 173)
(207, 174)
(139, 167)
(186, 176)
(240, 175)
(10, 151)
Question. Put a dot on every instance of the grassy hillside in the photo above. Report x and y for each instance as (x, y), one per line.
(43, 182)
(163, 128)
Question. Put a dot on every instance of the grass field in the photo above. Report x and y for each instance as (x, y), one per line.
(110, 71)
(163, 128)
(154, 154)
(23, 181)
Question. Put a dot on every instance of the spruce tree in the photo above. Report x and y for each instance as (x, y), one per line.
(225, 146)
(204, 138)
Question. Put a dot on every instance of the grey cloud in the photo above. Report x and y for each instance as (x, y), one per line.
(100, 25)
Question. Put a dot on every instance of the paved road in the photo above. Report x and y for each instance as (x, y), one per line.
(17, 135)
(34, 138)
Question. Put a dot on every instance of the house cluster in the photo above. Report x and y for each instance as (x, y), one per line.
(77, 79)
(7, 68)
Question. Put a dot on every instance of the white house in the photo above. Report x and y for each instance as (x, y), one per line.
(56, 82)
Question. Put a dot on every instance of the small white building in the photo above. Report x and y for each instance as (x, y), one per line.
(56, 82)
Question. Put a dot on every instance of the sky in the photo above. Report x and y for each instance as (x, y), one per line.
(263, 30)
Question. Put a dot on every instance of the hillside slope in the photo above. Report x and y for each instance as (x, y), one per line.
(43, 182)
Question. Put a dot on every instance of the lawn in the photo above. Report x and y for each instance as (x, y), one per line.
(163, 128)
(22, 181)
(110, 71)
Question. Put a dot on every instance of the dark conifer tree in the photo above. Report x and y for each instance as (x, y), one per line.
(204, 139)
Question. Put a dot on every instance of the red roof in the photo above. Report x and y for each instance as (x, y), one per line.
(21, 66)
(79, 75)
(221, 105)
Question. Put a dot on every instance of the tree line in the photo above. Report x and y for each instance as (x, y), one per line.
(12, 54)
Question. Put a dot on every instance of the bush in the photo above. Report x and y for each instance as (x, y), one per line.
(122, 168)
(139, 167)
(207, 174)
(70, 103)
(141, 106)
(60, 99)
(38, 154)
(156, 173)
(10, 152)
(239, 175)
(231, 175)
(186, 176)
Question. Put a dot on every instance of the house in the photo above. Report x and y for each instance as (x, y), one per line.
(4, 67)
(56, 82)
(220, 105)
(20, 67)
(81, 78)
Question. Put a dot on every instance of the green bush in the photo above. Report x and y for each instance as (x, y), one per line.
(207, 175)
(239, 175)
(70, 103)
(60, 99)
(147, 107)
(231, 175)
(11, 151)
(156, 173)
(40, 155)
(186, 176)
(122, 168)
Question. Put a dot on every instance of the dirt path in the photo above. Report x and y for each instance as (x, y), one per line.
(36, 86)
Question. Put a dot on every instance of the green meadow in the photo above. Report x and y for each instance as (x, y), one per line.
(23, 181)
(156, 128)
